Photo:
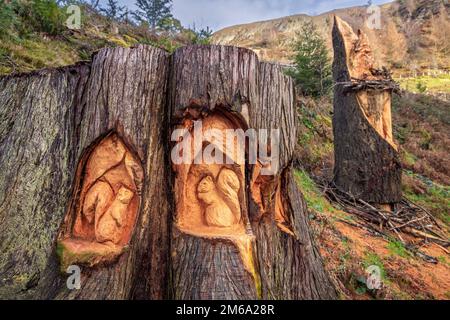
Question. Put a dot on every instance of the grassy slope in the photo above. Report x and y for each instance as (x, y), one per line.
(439, 83)
(348, 251)
(37, 50)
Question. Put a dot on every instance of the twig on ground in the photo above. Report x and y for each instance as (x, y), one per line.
(407, 217)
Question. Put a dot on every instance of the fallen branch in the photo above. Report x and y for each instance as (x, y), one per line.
(407, 217)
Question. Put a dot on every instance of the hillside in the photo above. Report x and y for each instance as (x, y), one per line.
(26, 46)
(413, 34)
(413, 40)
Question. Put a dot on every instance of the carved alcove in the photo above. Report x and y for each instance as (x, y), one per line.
(209, 196)
(211, 202)
(267, 195)
(103, 211)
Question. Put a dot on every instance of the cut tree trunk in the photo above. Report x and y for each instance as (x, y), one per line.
(367, 162)
(77, 140)
(273, 256)
(289, 261)
(49, 120)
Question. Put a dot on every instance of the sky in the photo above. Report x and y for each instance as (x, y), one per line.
(218, 14)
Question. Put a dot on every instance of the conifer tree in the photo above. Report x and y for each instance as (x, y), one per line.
(312, 70)
(153, 11)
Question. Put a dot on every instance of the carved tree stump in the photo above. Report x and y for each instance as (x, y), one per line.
(367, 162)
(87, 179)
(51, 120)
(290, 264)
(270, 254)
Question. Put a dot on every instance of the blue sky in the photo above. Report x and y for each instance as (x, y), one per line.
(218, 14)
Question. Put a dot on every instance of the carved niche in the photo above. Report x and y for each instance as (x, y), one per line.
(266, 193)
(104, 210)
(209, 195)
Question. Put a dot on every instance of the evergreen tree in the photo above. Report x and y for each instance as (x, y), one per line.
(153, 11)
(200, 36)
(113, 10)
(204, 35)
(312, 70)
(170, 25)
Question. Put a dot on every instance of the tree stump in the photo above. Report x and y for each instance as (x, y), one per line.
(269, 254)
(367, 162)
(51, 122)
(88, 180)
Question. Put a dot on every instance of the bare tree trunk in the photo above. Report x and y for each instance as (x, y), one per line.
(87, 180)
(367, 162)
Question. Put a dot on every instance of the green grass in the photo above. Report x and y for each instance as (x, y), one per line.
(314, 198)
(436, 198)
(408, 158)
(397, 248)
(424, 106)
(345, 257)
(358, 282)
(315, 131)
(23, 48)
(372, 259)
(443, 260)
(34, 53)
(439, 83)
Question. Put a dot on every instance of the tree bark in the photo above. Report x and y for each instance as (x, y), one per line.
(283, 262)
(367, 162)
(60, 130)
(205, 79)
(289, 261)
(50, 120)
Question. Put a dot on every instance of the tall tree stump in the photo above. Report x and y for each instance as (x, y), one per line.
(367, 162)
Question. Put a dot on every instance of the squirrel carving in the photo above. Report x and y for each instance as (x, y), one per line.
(109, 225)
(106, 211)
(113, 180)
(221, 200)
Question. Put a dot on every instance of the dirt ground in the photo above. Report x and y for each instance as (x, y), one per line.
(348, 250)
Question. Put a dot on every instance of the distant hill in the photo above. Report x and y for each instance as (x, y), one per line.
(414, 34)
